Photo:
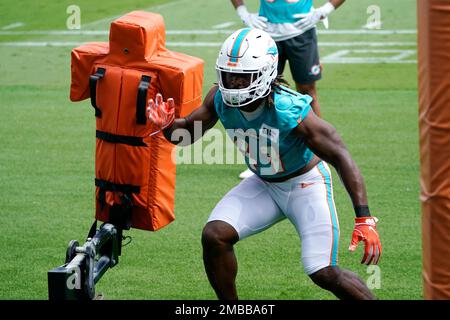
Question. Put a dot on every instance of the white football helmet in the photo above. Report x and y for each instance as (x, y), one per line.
(251, 56)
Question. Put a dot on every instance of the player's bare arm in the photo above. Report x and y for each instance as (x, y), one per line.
(206, 114)
(237, 3)
(337, 3)
(323, 139)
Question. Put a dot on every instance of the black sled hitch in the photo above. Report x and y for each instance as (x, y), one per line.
(85, 265)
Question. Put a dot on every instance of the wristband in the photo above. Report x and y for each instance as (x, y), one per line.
(362, 211)
(242, 12)
(327, 8)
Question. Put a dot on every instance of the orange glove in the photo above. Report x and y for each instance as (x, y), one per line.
(161, 113)
(366, 230)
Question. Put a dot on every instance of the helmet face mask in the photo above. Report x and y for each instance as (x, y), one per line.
(236, 80)
(246, 67)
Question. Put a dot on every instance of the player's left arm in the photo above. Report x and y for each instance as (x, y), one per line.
(323, 139)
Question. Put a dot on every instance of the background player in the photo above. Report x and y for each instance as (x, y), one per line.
(294, 183)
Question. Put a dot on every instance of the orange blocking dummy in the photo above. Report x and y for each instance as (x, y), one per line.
(134, 170)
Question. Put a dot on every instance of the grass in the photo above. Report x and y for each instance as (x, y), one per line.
(47, 149)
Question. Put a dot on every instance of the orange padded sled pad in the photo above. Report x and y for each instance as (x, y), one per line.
(434, 128)
(133, 161)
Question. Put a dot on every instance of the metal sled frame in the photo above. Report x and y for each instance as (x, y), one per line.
(85, 265)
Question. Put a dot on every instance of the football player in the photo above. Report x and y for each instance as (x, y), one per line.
(291, 178)
(291, 23)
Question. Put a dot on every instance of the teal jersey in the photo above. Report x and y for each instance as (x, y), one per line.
(281, 11)
(269, 146)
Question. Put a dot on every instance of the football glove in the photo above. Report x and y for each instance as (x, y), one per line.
(366, 230)
(160, 113)
(309, 20)
(252, 20)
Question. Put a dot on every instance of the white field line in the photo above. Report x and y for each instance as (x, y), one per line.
(204, 44)
(376, 25)
(224, 25)
(13, 26)
(54, 33)
(75, 44)
(369, 32)
(192, 32)
(368, 44)
(365, 61)
(325, 32)
(398, 56)
(338, 57)
(109, 19)
(41, 44)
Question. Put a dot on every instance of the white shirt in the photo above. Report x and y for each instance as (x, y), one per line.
(282, 31)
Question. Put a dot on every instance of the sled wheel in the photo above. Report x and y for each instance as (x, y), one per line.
(71, 253)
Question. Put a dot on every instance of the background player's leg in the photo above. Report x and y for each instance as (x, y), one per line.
(220, 262)
(310, 89)
(281, 57)
(344, 284)
(303, 56)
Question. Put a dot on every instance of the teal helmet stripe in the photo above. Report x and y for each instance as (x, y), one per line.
(237, 44)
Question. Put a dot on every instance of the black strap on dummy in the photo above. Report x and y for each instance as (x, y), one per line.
(93, 79)
(141, 103)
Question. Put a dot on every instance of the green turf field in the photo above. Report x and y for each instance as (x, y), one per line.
(47, 150)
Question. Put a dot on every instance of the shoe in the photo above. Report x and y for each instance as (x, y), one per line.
(245, 174)
(99, 296)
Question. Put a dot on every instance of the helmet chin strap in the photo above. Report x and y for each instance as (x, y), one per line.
(246, 102)
(254, 105)
(235, 100)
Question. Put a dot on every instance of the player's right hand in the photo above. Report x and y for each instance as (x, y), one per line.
(252, 20)
(161, 113)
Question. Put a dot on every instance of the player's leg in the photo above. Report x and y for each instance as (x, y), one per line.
(282, 58)
(310, 89)
(245, 174)
(246, 210)
(220, 263)
(344, 284)
(303, 55)
(312, 211)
